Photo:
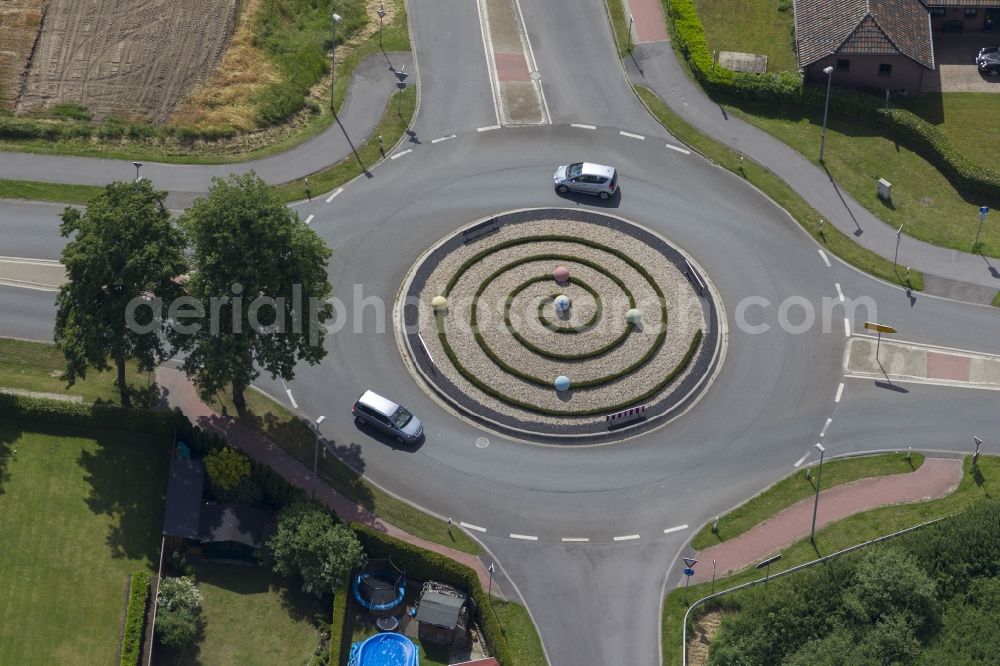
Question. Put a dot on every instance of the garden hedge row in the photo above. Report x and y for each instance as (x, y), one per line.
(787, 89)
(135, 619)
(340, 630)
(420, 564)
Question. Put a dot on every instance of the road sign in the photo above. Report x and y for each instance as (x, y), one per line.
(982, 212)
(881, 328)
(768, 562)
(689, 572)
(690, 561)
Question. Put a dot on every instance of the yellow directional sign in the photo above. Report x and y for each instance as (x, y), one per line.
(881, 328)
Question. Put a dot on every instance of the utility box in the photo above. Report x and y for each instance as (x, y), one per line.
(884, 189)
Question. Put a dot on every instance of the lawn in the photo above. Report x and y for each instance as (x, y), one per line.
(36, 366)
(798, 487)
(252, 616)
(856, 156)
(976, 484)
(764, 27)
(967, 119)
(79, 512)
(287, 431)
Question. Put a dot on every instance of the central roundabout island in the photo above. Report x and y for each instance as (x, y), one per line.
(561, 325)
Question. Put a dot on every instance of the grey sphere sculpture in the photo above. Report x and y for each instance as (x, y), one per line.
(633, 317)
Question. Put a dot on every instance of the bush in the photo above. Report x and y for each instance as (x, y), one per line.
(72, 111)
(135, 619)
(177, 629)
(178, 612)
(92, 415)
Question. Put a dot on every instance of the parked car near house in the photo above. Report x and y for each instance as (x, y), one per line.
(988, 60)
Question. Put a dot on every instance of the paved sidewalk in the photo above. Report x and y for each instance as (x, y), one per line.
(180, 393)
(937, 477)
(372, 84)
(951, 273)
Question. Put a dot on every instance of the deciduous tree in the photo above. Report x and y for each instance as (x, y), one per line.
(309, 543)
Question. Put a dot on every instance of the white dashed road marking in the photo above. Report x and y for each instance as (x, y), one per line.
(523, 537)
(675, 529)
(575, 540)
(678, 149)
(408, 150)
(847, 327)
(310, 219)
(826, 260)
(822, 433)
(627, 537)
(288, 391)
(582, 126)
(488, 128)
(840, 294)
(443, 138)
(801, 460)
(840, 392)
(334, 195)
(475, 528)
(632, 136)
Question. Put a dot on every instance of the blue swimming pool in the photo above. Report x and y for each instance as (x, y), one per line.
(386, 649)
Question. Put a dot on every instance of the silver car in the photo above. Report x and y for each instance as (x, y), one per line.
(387, 416)
(588, 178)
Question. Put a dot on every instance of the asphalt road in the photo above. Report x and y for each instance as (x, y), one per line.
(596, 602)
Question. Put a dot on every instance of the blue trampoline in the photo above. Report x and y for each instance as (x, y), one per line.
(380, 586)
(386, 649)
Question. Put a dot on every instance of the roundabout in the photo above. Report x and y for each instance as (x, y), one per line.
(550, 323)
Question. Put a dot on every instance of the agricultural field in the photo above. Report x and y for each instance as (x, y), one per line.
(135, 59)
(19, 24)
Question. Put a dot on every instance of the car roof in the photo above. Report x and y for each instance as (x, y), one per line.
(592, 169)
(378, 403)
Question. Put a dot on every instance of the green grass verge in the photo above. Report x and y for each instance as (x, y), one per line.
(272, 420)
(751, 26)
(36, 366)
(923, 200)
(798, 487)
(996, 300)
(80, 510)
(619, 25)
(960, 116)
(975, 485)
(395, 121)
(35, 191)
(808, 218)
(518, 632)
(253, 616)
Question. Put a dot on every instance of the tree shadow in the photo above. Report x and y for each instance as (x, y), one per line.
(127, 474)
(977, 476)
(10, 432)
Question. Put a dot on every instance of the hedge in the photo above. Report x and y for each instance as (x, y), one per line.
(135, 619)
(101, 416)
(340, 629)
(785, 88)
(420, 564)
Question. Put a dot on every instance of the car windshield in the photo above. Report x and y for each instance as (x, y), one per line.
(401, 417)
(574, 170)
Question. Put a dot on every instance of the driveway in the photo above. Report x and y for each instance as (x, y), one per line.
(956, 68)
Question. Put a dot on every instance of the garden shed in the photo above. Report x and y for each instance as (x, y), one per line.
(442, 614)
(233, 532)
(183, 511)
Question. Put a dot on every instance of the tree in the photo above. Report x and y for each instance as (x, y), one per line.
(226, 469)
(309, 543)
(247, 245)
(178, 612)
(125, 249)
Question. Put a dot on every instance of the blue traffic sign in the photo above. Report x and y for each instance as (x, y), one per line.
(982, 212)
(689, 571)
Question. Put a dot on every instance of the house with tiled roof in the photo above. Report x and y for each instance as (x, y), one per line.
(880, 44)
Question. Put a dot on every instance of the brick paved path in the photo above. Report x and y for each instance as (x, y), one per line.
(182, 394)
(937, 477)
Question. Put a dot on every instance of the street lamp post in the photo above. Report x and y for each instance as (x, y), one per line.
(895, 258)
(333, 57)
(819, 481)
(381, 15)
(137, 176)
(315, 429)
(489, 593)
(828, 70)
(630, 21)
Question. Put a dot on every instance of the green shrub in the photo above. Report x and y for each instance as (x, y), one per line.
(340, 629)
(100, 416)
(135, 619)
(72, 111)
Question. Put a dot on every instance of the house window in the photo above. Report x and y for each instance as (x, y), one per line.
(843, 65)
(970, 12)
(937, 12)
(884, 70)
